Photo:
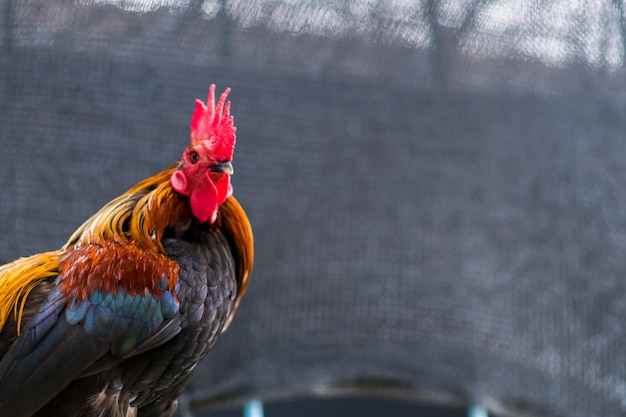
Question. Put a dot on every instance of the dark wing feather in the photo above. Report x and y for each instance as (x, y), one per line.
(63, 341)
(44, 360)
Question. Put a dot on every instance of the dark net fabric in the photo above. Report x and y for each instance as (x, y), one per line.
(437, 189)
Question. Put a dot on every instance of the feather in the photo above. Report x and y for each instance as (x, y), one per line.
(19, 278)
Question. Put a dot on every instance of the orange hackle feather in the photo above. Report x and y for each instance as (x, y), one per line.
(19, 278)
(139, 216)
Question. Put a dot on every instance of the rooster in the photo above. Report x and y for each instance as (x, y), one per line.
(113, 323)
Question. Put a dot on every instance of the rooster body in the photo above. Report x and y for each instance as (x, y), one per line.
(113, 323)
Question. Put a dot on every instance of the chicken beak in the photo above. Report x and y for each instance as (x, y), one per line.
(222, 168)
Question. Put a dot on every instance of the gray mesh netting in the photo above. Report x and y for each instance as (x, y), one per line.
(437, 188)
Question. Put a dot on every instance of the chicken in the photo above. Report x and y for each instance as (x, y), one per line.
(113, 323)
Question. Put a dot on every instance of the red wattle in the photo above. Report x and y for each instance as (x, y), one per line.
(203, 201)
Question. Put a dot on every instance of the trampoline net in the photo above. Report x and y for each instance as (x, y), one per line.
(436, 187)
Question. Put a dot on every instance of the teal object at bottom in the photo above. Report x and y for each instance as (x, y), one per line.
(477, 411)
(253, 408)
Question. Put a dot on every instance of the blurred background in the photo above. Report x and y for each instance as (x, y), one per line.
(436, 187)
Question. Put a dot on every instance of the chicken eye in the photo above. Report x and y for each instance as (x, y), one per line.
(194, 157)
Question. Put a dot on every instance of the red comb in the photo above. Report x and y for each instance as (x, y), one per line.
(213, 126)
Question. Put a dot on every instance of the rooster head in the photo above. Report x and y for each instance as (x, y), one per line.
(205, 169)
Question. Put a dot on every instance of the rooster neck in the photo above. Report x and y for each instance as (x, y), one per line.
(155, 212)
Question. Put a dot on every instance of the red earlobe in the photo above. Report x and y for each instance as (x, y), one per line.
(179, 183)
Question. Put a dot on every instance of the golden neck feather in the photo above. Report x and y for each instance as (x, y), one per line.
(139, 216)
